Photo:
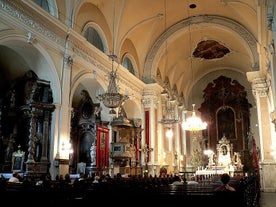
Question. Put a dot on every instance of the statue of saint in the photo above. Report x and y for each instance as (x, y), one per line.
(93, 154)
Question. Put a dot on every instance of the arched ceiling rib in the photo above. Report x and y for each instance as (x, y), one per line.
(171, 53)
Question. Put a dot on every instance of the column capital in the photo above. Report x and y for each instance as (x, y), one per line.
(151, 95)
(260, 84)
(260, 87)
(149, 100)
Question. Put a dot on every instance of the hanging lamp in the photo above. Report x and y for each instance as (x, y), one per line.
(194, 123)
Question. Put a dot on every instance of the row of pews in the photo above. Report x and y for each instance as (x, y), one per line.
(126, 191)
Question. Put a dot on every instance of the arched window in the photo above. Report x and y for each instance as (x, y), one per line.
(94, 38)
(128, 64)
(44, 4)
(94, 34)
(48, 5)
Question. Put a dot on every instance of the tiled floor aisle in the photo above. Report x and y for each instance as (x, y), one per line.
(268, 200)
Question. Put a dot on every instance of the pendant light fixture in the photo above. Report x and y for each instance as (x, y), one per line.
(193, 123)
(170, 114)
(112, 98)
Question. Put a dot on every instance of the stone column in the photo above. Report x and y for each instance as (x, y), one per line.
(150, 101)
(260, 89)
(271, 55)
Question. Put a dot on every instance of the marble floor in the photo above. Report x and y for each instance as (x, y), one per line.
(268, 199)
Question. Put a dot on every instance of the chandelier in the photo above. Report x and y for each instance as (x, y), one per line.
(112, 99)
(194, 123)
(170, 114)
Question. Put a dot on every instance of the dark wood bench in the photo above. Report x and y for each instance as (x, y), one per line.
(14, 187)
(139, 193)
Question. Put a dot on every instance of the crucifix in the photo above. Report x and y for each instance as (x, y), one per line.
(146, 150)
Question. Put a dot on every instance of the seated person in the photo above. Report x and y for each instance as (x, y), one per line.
(225, 179)
(15, 178)
(177, 180)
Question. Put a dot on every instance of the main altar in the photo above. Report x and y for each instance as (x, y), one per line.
(223, 161)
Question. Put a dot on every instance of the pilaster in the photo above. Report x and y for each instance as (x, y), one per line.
(65, 109)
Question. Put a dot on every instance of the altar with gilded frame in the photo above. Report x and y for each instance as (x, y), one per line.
(18, 158)
(227, 161)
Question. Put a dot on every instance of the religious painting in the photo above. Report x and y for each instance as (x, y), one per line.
(103, 144)
(81, 168)
(226, 123)
(18, 160)
(102, 156)
(117, 148)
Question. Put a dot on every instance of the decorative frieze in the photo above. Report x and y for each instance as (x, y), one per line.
(76, 40)
(27, 21)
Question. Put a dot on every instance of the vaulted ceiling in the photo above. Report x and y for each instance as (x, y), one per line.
(178, 43)
(181, 44)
